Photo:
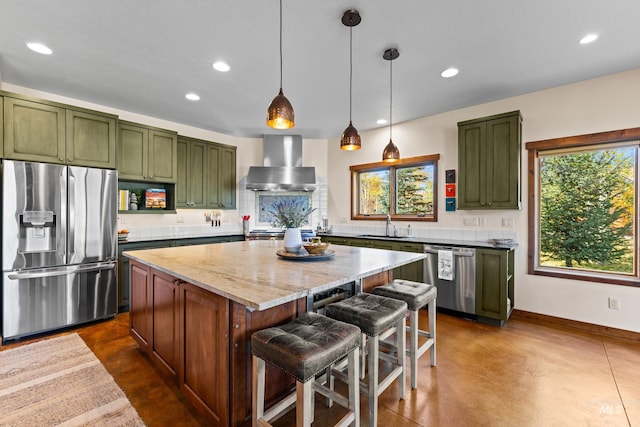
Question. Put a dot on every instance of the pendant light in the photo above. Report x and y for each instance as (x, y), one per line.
(280, 112)
(390, 153)
(350, 139)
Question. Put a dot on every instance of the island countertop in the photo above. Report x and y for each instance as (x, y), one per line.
(251, 273)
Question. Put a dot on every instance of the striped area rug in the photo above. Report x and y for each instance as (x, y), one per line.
(60, 382)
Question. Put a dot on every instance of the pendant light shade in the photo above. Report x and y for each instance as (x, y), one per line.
(391, 152)
(280, 113)
(350, 139)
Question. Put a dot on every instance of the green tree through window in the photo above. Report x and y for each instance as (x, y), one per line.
(586, 209)
(406, 190)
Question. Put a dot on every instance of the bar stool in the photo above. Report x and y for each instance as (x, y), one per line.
(374, 314)
(303, 348)
(416, 295)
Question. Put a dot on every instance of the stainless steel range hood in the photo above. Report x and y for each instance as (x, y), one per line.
(282, 168)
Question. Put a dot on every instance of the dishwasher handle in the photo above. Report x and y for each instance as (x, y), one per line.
(456, 253)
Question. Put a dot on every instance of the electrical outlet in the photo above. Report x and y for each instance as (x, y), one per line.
(482, 221)
(507, 222)
(180, 219)
(470, 221)
(614, 303)
(123, 220)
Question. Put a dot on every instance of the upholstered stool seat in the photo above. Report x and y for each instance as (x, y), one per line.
(374, 314)
(416, 295)
(303, 348)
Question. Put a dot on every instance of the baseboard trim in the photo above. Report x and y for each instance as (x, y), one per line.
(574, 324)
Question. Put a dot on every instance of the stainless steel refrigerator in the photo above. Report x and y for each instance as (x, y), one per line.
(59, 248)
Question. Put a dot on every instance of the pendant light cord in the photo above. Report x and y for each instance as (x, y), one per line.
(280, 45)
(390, 96)
(350, 69)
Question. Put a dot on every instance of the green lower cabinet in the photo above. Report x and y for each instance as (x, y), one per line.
(494, 285)
(413, 271)
(335, 240)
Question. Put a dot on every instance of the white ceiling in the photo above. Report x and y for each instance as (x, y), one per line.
(143, 56)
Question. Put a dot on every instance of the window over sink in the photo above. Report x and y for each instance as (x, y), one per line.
(405, 190)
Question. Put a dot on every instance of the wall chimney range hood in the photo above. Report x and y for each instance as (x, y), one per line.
(282, 170)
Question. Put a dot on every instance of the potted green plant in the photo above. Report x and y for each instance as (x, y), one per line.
(291, 214)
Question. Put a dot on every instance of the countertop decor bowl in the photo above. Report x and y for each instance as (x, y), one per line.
(315, 248)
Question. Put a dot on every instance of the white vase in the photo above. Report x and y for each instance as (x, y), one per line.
(292, 240)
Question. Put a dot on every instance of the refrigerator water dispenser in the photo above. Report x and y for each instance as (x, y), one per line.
(37, 232)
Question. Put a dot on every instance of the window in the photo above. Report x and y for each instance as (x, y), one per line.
(583, 204)
(406, 189)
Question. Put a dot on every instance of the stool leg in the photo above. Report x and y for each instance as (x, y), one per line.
(257, 388)
(373, 380)
(413, 347)
(354, 385)
(401, 343)
(304, 406)
(432, 330)
(363, 356)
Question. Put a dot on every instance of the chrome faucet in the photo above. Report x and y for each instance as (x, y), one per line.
(386, 232)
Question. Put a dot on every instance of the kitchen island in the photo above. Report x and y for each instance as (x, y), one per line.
(193, 310)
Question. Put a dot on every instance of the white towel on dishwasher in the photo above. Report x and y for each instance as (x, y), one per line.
(445, 265)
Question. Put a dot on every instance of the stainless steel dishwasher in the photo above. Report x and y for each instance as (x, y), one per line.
(458, 294)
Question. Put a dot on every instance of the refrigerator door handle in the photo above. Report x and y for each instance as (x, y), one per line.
(71, 244)
(52, 272)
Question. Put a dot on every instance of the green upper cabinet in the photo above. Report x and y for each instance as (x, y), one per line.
(222, 176)
(206, 176)
(48, 132)
(1, 127)
(192, 174)
(91, 139)
(489, 162)
(146, 153)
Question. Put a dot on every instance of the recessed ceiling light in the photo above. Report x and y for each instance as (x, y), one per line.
(381, 121)
(589, 38)
(449, 72)
(40, 48)
(192, 97)
(221, 66)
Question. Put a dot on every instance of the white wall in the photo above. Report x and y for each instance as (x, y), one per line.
(598, 105)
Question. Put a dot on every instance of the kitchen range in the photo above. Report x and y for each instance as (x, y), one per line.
(58, 246)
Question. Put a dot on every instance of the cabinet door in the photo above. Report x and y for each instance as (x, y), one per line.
(204, 347)
(33, 131)
(213, 176)
(140, 312)
(413, 271)
(491, 283)
(503, 163)
(472, 166)
(1, 127)
(133, 146)
(166, 313)
(197, 174)
(163, 156)
(182, 175)
(228, 178)
(91, 139)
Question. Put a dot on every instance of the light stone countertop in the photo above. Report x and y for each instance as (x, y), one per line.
(251, 273)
